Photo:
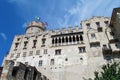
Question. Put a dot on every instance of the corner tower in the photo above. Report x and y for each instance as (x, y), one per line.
(35, 27)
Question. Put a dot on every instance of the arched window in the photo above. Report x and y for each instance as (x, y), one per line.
(59, 40)
(81, 38)
(73, 38)
(66, 39)
(70, 39)
(53, 41)
(63, 40)
(77, 38)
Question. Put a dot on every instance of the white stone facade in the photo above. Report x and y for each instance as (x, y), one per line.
(69, 54)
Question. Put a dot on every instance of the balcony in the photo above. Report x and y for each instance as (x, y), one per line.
(115, 47)
(106, 50)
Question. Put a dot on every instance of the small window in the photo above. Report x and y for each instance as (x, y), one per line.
(104, 46)
(34, 43)
(88, 25)
(81, 58)
(43, 42)
(66, 59)
(52, 62)
(98, 24)
(93, 35)
(40, 63)
(25, 44)
(18, 55)
(82, 49)
(31, 53)
(58, 52)
(112, 33)
(37, 52)
(45, 51)
(106, 23)
(16, 45)
(18, 39)
(24, 54)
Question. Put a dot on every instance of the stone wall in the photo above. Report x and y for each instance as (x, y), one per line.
(20, 72)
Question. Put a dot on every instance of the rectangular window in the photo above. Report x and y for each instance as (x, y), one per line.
(104, 46)
(106, 23)
(18, 55)
(52, 62)
(82, 49)
(88, 25)
(98, 24)
(24, 54)
(31, 53)
(34, 43)
(40, 63)
(43, 42)
(93, 35)
(16, 45)
(58, 52)
(25, 44)
(45, 51)
(37, 52)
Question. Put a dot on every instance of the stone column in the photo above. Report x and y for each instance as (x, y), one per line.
(7, 70)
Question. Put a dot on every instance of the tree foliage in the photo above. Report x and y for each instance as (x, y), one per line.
(109, 72)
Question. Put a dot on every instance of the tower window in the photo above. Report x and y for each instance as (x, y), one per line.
(40, 63)
(58, 52)
(52, 62)
(18, 39)
(98, 24)
(34, 43)
(88, 25)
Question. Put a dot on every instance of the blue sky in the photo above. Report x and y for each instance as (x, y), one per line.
(15, 14)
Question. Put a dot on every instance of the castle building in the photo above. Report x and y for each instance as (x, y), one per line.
(68, 54)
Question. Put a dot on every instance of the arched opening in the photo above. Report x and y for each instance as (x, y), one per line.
(77, 38)
(73, 38)
(66, 39)
(59, 40)
(81, 38)
(53, 41)
(70, 39)
(63, 40)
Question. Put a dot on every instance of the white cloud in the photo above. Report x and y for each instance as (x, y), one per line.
(3, 35)
(85, 9)
(24, 25)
